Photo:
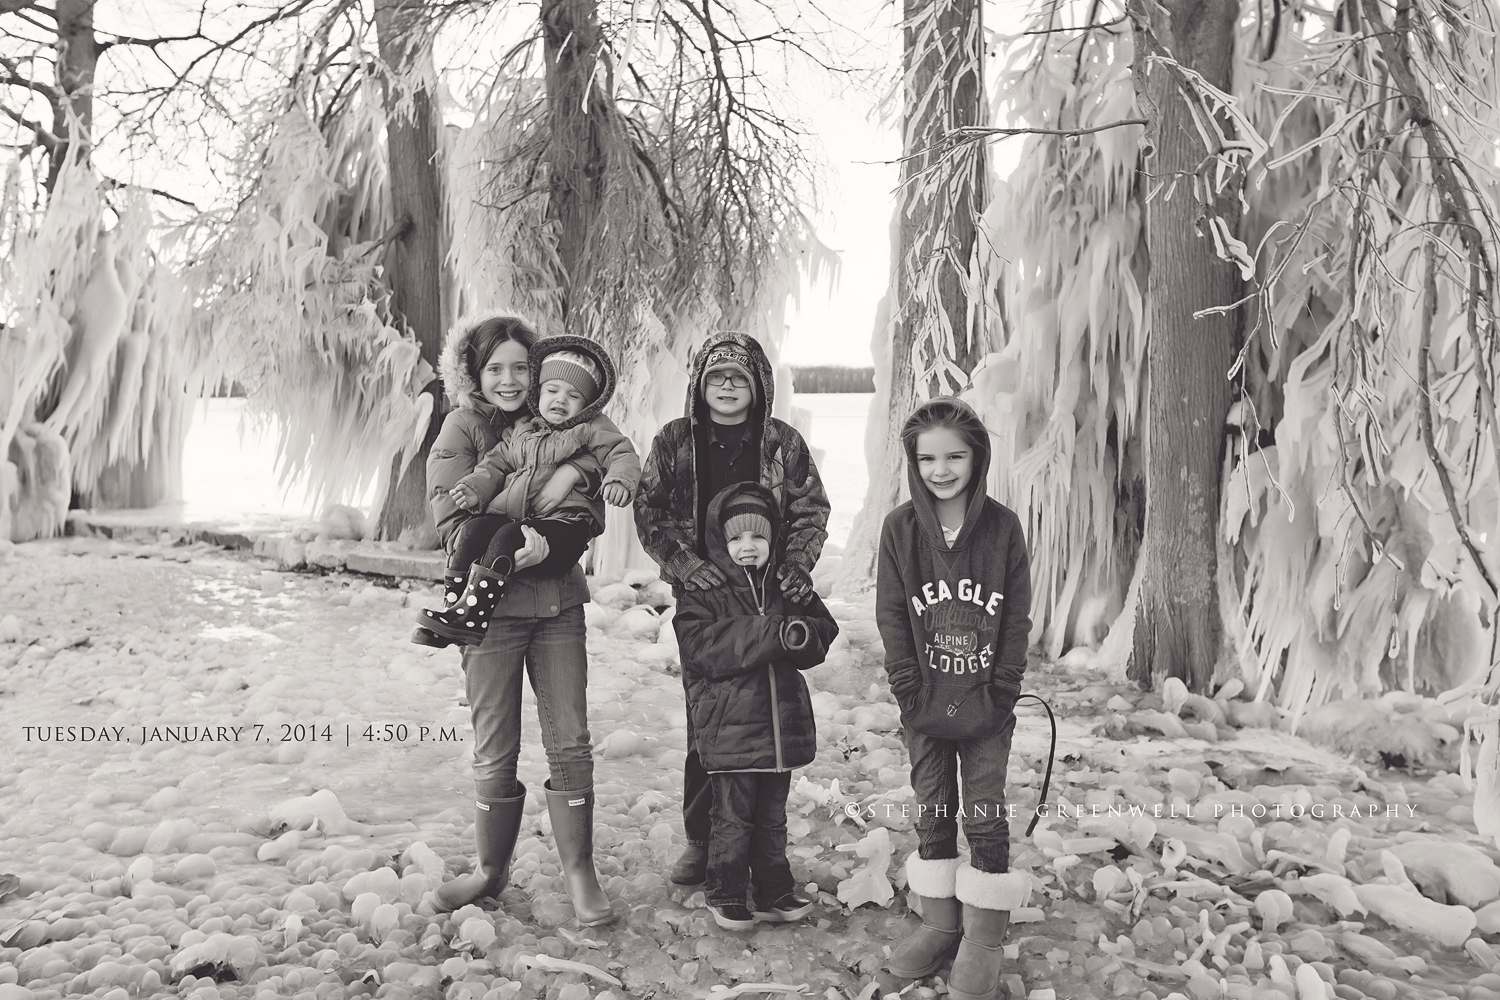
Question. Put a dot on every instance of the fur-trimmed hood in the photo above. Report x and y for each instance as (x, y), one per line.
(459, 383)
(760, 371)
(568, 342)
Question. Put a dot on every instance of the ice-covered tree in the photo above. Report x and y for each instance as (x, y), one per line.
(95, 362)
(1346, 167)
(936, 321)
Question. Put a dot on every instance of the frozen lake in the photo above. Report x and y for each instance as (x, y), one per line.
(229, 470)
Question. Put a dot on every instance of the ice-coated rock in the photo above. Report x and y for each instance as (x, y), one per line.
(10, 629)
(281, 847)
(384, 882)
(617, 596)
(1488, 918)
(620, 743)
(1449, 871)
(1335, 890)
(478, 932)
(425, 860)
(597, 616)
(640, 622)
(657, 594)
(194, 866)
(1310, 986)
(321, 807)
(871, 884)
(383, 919)
(1274, 908)
(1403, 907)
(364, 905)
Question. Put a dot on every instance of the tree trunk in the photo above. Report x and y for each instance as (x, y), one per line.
(77, 58)
(414, 259)
(942, 52)
(575, 153)
(1177, 626)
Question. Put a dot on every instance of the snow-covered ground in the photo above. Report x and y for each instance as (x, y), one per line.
(290, 854)
(229, 465)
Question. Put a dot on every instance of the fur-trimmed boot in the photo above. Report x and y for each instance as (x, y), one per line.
(467, 620)
(925, 949)
(497, 823)
(573, 828)
(453, 588)
(987, 898)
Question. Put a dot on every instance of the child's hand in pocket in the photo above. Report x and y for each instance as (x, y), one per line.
(616, 495)
(465, 496)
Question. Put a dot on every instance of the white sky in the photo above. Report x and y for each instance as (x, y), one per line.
(834, 321)
(833, 324)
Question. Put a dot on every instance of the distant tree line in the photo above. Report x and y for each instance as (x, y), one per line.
(832, 378)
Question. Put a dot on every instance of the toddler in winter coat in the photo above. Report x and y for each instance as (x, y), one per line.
(727, 436)
(513, 484)
(953, 600)
(743, 646)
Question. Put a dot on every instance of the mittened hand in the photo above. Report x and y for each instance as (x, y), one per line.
(615, 494)
(703, 577)
(796, 585)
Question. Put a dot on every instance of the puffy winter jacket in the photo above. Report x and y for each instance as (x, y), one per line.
(670, 507)
(470, 430)
(742, 656)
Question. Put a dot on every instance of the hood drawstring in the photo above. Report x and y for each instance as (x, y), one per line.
(759, 595)
(1051, 755)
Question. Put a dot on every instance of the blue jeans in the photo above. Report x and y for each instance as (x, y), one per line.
(935, 768)
(748, 843)
(552, 652)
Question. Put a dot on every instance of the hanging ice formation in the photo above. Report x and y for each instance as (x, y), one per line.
(295, 308)
(1344, 568)
(95, 364)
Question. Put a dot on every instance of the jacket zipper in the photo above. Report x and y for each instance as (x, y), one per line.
(760, 609)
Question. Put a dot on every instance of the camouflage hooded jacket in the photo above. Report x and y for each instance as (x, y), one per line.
(671, 505)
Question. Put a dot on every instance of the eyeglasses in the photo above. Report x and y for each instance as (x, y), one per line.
(733, 378)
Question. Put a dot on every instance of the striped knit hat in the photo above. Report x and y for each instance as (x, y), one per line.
(747, 513)
(575, 368)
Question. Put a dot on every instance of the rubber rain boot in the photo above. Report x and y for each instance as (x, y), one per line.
(573, 827)
(497, 823)
(453, 588)
(468, 620)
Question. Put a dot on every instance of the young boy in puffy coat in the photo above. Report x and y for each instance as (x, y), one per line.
(728, 436)
(743, 646)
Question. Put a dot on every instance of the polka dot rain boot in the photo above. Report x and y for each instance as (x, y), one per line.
(467, 620)
(453, 588)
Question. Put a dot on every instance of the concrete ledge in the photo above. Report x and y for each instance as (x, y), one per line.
(266, 538)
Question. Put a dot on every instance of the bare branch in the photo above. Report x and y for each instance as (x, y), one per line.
(43, 136)
(117, 185)
(968, 132)
(1081, 27)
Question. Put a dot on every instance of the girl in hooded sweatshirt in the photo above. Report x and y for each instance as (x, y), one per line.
(953, 601)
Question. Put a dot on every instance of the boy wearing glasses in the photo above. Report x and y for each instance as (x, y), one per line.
(728, 436)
